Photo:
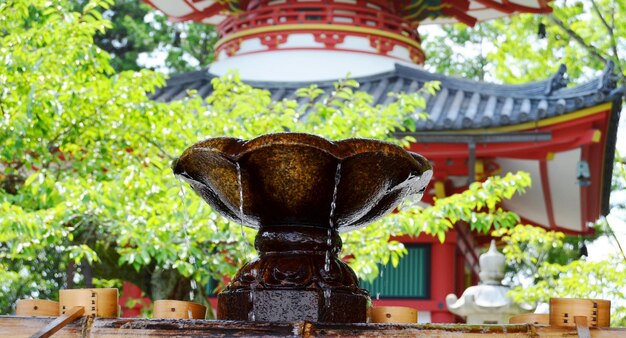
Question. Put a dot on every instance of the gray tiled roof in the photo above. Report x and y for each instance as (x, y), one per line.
(460, 104)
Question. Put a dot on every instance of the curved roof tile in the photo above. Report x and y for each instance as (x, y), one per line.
(459, 104)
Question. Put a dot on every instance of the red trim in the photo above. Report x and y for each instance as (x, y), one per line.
(462, 5)
(460, 15)
(196, 15)
(329, 40)
(387, 44)
(561, 141)
(318, 13)
(324, 49)
(273, 40)
(497, 6)
(547, 192)
(458, 9)
(543, 7)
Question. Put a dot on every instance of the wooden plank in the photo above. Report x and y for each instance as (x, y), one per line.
(61, 321)
(12, 326)
(23, 327)
(556, 331)
(146, 328)
(418, 330)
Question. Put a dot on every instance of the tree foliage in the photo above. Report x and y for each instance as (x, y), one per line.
(581, 279)
(583, 35)
(85, 164)
(138, 32)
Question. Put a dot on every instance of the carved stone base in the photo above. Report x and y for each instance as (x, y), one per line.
(293, 305)
(296, 277)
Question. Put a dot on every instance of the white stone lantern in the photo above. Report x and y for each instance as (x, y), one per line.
(487, 302)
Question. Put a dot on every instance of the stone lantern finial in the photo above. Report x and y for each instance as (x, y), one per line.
(492, 265)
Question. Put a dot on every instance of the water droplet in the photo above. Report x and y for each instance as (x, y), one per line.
(327, 297)
(194, 288)
(327, 262)
(331, 218)
(333, 203)
(240, 183)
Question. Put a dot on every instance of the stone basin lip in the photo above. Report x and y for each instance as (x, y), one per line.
(235, 148)
(289, 178)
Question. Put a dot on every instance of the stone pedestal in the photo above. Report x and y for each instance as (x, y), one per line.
(296, 277)
(291, 306)
(299, 190)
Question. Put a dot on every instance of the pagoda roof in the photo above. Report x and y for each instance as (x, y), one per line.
(459, 105)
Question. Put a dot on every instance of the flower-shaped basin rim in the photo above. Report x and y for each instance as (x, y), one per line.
(302, 180)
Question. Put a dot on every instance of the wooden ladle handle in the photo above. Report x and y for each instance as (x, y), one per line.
(582, 328)
(59, 322)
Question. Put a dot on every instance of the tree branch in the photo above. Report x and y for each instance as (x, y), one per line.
(611, 31)
(590, 48)
(597, 10)
(159, 147)
(51, 144)
(608, 225)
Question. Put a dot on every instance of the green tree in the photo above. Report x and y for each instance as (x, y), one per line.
(85, 178)
(139, 29)
(583, 35)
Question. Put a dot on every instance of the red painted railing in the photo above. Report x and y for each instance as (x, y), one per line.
(319, 13)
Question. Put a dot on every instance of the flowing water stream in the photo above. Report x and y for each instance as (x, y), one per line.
(331, 229)
(252, 295)
(240, 183)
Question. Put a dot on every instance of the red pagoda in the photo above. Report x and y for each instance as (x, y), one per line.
(563, 136)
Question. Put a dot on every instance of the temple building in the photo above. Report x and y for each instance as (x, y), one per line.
(563, 136)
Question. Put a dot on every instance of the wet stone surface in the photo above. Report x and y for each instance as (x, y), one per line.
(293, 305)
(274, 306)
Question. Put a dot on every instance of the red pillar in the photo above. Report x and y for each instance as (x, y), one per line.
(461, 278)
(442, 278)
(130, 292)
